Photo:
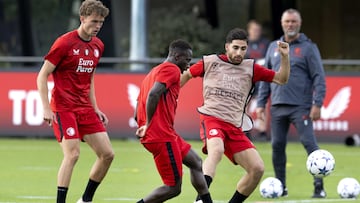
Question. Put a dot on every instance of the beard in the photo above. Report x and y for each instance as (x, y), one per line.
(292, 34)
(235, 60)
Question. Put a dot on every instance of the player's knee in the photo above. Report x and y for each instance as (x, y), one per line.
(108, 156)
(197, 163)
(174, 190)
(72, 157)
(217, 151)
(258, 170)
(193, 160)
(278, 143)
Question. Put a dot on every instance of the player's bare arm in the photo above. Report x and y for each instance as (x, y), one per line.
(282, 76)
(185, 77)
(41, 81)
(151, 103)
(155, 93)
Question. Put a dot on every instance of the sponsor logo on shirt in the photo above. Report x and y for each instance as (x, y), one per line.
(76, 51)
(85, 66)
(225, 93)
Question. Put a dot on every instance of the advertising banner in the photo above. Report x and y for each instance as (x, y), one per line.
(21, 112)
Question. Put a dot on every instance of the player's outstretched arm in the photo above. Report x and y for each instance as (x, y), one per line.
(282, 76)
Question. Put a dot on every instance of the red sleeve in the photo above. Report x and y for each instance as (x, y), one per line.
(263, 74)
(197, 69)
(169, 74)
(57, 52)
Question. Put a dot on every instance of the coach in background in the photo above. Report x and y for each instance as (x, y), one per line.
(299, 101)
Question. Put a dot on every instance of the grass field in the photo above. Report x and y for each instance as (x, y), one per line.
(29, 167)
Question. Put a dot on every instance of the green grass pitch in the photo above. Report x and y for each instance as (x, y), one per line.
(29, 167)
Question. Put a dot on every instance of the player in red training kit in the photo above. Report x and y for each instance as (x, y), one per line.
(155, 114)
(73, 112)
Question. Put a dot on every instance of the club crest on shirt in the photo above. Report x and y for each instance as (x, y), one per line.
(298, 52)
(96, 53)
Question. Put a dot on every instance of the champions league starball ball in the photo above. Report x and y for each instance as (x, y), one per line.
(320, 163)
(271, 188)
(348, 188)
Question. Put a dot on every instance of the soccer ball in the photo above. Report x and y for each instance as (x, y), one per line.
(320, 163)
(348, 188)
(271, 188)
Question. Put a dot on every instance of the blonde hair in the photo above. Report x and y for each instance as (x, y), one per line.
(89, 7)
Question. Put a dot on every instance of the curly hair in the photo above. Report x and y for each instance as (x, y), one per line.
(93, 6)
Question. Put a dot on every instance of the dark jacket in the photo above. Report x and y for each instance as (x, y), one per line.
(306, 85)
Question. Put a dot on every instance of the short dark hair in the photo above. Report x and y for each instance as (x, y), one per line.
(292, 11)
(236, 33)
(179, 45)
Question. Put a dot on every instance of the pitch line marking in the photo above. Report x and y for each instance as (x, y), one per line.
(35, 197)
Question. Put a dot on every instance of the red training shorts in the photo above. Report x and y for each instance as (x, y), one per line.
(233, 137)
(168, 158)
(74, 125)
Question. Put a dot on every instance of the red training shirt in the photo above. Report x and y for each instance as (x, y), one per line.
(161, 126)
(75, 61)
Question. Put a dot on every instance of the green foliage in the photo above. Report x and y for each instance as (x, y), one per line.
(29, 169)
(168, 24)
(50, 19)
